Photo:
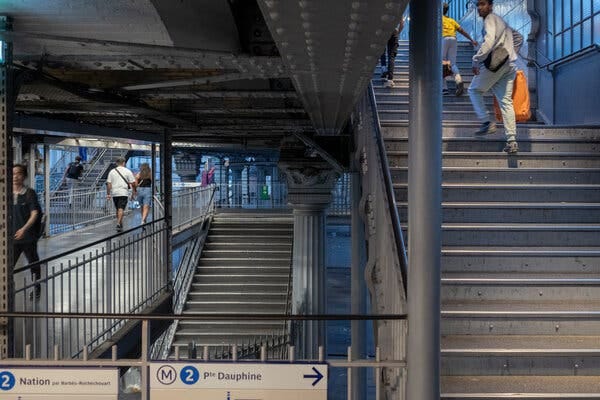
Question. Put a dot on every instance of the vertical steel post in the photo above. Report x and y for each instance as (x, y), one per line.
(47, 188)
(167, 182)
(7, 98)
(424, 201)
(359, 293)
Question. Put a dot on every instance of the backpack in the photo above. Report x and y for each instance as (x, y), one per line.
(73, 171)
(39, 227)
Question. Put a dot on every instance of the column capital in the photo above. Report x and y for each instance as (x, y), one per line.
(310, 184)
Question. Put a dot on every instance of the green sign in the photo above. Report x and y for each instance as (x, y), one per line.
(264, 192)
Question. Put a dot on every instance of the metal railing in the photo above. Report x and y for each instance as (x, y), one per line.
(191, 205)
(387, 264)
(73, 210)
(122, 274)
(374, 362)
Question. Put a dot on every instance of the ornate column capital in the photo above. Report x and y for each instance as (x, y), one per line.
(310, 183)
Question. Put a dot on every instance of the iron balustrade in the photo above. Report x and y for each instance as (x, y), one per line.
(191, 205)
(73, 210)
(122, 274)
(56, 359)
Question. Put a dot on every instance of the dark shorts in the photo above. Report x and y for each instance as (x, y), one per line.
(120, 202)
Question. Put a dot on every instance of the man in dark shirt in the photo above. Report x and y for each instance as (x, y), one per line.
(25, 213)
(72, 175)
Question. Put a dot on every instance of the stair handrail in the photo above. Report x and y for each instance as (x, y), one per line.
(287, 325)
(389, 191)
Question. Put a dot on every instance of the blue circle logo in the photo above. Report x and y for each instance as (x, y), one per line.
(189, 375)
(7, 380)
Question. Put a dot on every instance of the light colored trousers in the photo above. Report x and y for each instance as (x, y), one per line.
(449, 46)
(501, 84)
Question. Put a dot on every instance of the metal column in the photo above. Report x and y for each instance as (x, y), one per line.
(424, 201)
(167, 186)
(47, 189)
(6, 113)
(358, 293)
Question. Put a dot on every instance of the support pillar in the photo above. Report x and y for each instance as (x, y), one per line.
(424, 201)
(309, 194)
(167, 189)
(358, 292)
(7, 97)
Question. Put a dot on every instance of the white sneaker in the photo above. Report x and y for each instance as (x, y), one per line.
(389, 83)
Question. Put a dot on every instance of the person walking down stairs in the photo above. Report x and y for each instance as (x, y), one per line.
(449, 46)
(392, 50)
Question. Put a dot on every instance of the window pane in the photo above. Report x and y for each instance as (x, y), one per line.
(558, 47)
(587, 33)
(577, 38)
(587, 8)
(577, 10)
(566, 14)
(567, 43)
(558, 16)
(596, 5)
(550, 16)
(596, 24)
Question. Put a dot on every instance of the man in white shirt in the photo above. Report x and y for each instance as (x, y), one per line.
(495, 32)
(118, 183)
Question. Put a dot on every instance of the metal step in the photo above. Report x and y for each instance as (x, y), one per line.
(520, 192)
(514, 259)
(498, 159)
(241, 278)
(240, 238)
(242, 261)
(545, 387)
(514, 212)
(249, 270)
(250, 286)
(234, 307)
(537, 145)
(504, 234)
(251, 296)
(223, 245)
(510, 175)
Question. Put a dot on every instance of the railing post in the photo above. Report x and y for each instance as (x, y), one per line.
(424, 201)
(7, 99)
(167, 185)
(47, 189)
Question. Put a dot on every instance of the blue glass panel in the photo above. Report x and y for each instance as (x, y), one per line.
(596, 27)
(586, 8)
(558, 15)
(550, 15)
(558, 53)
(577, 10)
(576, 38)
(567, 43)
(586, 33)
(567, 14)
(596, 5)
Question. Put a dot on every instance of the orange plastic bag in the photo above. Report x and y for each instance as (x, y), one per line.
(520, 97)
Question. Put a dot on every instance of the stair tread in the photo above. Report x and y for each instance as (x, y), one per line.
(507, 386)
(512, 204)
(516, 251)
(483, 154)
(531, 343)
(513, 185)
(518, 308)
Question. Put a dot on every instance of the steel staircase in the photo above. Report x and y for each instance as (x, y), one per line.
(244, 269)
(521, 250)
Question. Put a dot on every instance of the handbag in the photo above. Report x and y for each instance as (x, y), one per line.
(498, 56)
(520, 98)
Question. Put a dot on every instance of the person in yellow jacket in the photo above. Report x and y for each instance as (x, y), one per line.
(449, 45)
